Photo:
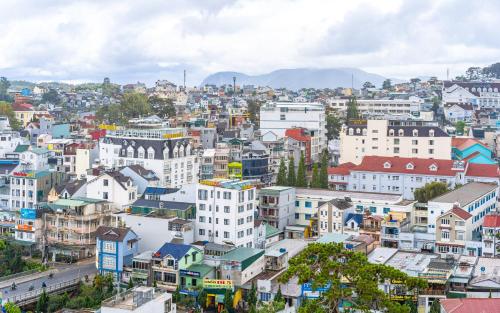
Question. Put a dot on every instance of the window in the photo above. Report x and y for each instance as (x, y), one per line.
(251, 194)
(202, 207)
(414, 151)
(373, 209)
(297, 216)
(386, 210)
(308, 216)
(202, 194)
(202, 219)
(445, 234)
(226, 221)
(431, 142)
(431, 151)
(414, 142)
(108, 247)
(227, 209)
(168, 304)
(297, 203)
(250, 207)
(226, 195)
(282, 117)
(460, 235)
(396, 149)
(226, 234)
(105, 195)
(201, 232)
(108, 262)
(105, 182)
(308, 204)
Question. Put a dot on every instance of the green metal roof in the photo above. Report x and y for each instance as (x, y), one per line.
(271, 231)
(203, 269)
(21, 148)
(246, 256)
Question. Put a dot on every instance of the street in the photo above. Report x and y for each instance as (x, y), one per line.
(62, 275)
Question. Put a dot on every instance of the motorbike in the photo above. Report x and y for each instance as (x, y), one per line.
(13, 286)
(31, 288)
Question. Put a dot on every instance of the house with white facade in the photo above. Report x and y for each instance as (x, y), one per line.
(112, 186)
(225, 212)
(405, 139)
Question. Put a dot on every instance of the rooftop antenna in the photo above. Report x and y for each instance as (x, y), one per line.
(184, 79)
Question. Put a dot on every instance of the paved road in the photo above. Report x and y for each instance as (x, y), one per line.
(63, 275)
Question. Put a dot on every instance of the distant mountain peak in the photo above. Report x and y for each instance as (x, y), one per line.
(299, 78)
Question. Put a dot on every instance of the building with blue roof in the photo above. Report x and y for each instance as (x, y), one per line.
(170, 260)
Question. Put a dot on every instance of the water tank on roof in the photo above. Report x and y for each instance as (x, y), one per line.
(282, 250)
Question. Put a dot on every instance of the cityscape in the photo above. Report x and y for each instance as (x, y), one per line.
(153, 160)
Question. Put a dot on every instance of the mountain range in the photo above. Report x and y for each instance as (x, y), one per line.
(298, 78)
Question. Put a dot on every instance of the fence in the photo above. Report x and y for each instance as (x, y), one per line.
(25, 273)
(34, 294)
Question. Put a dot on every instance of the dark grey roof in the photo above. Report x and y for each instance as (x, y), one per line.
(71, 187)
(144, 173)
(159, 204)
(108, 233)
(423, 131)
(341, 204)
(157, 145)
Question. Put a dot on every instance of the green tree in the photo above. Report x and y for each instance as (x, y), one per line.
(176, 296)
(51, 96)
(301, 172)
(323, 173)
(460, 127)
(315, 183)
(352, 109)
(11, 308)
(202, 298)
(4, 86)
(162, 107)
(135, 105)
(42, 303)
(291, 172)
(6, 110)
(251, 296)
(435, 307)
(333, 125)
(281, 179)
(367, 85)
(349, 277)
(430, 191)
(271, 307)
(228, 301)
(279, 297)
(253, 108)
(130, 284)
(387, 84)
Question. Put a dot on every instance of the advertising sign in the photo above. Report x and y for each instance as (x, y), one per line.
(29, 214)
(218, 283)
(189, 273)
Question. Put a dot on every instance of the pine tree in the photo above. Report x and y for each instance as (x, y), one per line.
(352, 109)
(251, 296)
(435, 307)
(291, 172)
(323, 174)
(301, 172)
(228, 301)
(278, 297)
(42, 303)
(130, 284)
(315, 177)
(281, 179)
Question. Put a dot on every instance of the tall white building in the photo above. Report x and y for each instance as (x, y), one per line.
(277, 117)
(225, 212)
(393, 139)
(382, 107)
(166, 151)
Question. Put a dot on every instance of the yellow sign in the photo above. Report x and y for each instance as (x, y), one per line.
(107, 127)
(218, 283)
(174, 135)
(210, 183)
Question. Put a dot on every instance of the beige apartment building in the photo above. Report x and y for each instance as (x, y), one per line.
(409, 139)
(453, 231)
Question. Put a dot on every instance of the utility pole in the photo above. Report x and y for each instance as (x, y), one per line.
(184, 79)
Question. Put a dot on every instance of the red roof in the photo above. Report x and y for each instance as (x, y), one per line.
(297, 134)
(460, 213)
(467, 305)
(22, 107)
(400, 165)
(464, 143)
(342, 169)
(483, 170)
(492, 220)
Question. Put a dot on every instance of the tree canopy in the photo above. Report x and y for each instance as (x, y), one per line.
(301, 180)
(460, 127)
(352, 109)
(4, 86)
(430, 191)
(281, 178)
(315, 183)
(291, 179)
(323, 173)
(387, 84)
(347, 276)
(6, 110)
(333, 125)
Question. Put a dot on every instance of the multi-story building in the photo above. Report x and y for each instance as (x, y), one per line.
(225, 211)
(166, 151)
(169, 260)
(393, 139)
(332, 215)
(29, 226)
(277, 117)
(477, 199)
(394, 232)
(491, 235)
(221, 161)
(9, 141)
(397, 175)
(454, 229)
(479, 94)
(207, 164)
(277, 206)
(28, 188)
(381, 107)
(112, 186)
(115, 249)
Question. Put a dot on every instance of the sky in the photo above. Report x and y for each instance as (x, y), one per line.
(146, 40)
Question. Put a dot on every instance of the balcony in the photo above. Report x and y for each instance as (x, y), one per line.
(389, 236)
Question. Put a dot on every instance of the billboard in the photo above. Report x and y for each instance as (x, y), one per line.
(218, 283)
(29, 214)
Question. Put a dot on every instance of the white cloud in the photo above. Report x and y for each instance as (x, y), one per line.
(131, 40)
